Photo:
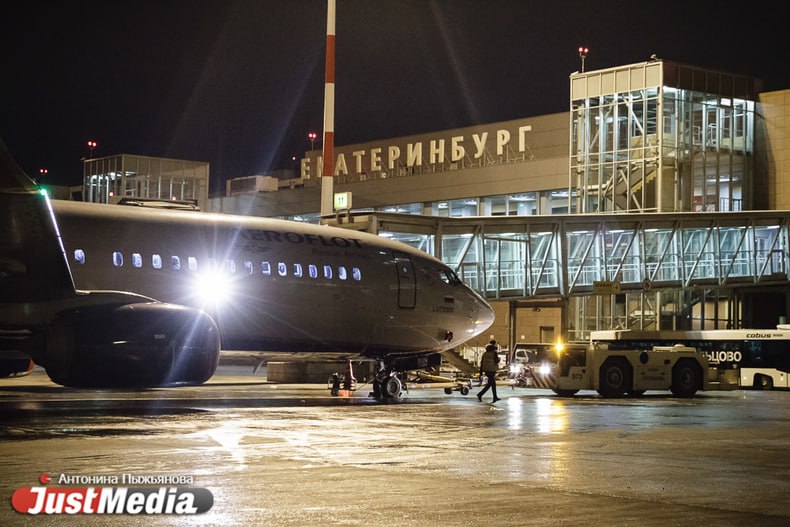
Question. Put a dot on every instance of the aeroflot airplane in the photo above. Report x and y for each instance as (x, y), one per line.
(110, 295)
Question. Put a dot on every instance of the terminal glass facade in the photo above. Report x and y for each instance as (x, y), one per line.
(107, 179)
(662, 137)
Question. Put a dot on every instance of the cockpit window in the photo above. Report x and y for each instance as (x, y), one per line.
(449, 277)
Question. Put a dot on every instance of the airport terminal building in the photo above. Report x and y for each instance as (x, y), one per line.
(650, 137)
(639, 139)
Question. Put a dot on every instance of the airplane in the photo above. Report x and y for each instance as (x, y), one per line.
(105, 295)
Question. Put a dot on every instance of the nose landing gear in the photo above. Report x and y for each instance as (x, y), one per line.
(387, 385)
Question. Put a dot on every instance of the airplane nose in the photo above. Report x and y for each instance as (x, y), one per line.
(482, 313)
(485, 315)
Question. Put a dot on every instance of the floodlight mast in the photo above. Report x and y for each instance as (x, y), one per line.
(327, 173)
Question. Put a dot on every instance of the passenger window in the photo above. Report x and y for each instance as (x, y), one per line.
(230, 266)
(297, 270)
(341, 273)
(248, 267)
(192, 263)
(312, 270)
(156, 261)
(356, 274)
(266, 268)
(117, 259)
(79, 256)
(175, 263)
(137, 260)
(282, 269)
(328, 271)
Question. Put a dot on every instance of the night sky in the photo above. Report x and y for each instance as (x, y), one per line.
(240, 83)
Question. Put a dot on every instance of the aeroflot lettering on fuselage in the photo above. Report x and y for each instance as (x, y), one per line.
(308, 239)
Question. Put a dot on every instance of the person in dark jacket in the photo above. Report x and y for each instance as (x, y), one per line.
(489, 364)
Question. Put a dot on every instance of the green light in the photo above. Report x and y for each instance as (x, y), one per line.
(43, 191)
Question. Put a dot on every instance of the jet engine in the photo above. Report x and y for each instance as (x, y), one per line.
(131, 345)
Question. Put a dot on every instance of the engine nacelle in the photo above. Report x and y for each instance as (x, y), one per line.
(131, 345)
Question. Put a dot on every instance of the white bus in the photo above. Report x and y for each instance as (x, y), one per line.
(759, 357)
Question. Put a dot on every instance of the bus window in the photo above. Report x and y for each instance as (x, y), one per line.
(297, 270)
(79, 256)
(312, 270)
(156, 261)
(266, 268)
(192, 263)
(341, 273)
(117, 259)
(328, 271)
(137, 260)
(175, 263)
(282, 269)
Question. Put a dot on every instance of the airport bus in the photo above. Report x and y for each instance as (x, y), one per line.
(760, 358)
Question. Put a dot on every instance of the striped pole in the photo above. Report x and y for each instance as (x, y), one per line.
(327, 174)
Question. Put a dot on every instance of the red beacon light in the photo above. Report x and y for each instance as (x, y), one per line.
(583, 54)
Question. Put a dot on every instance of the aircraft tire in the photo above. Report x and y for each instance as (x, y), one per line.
(391, 388)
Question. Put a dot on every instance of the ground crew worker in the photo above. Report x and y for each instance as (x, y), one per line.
(489, 365)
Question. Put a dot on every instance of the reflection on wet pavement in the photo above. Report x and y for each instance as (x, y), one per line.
(294, 455)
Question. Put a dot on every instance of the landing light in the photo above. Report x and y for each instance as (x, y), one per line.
(213, 287)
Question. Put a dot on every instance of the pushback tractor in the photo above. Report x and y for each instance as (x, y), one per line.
(615, 373)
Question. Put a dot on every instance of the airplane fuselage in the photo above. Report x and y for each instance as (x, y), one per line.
(274, 285)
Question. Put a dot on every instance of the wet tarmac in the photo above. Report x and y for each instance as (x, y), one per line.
(293, 455)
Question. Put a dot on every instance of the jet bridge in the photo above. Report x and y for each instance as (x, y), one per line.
(584, 255)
